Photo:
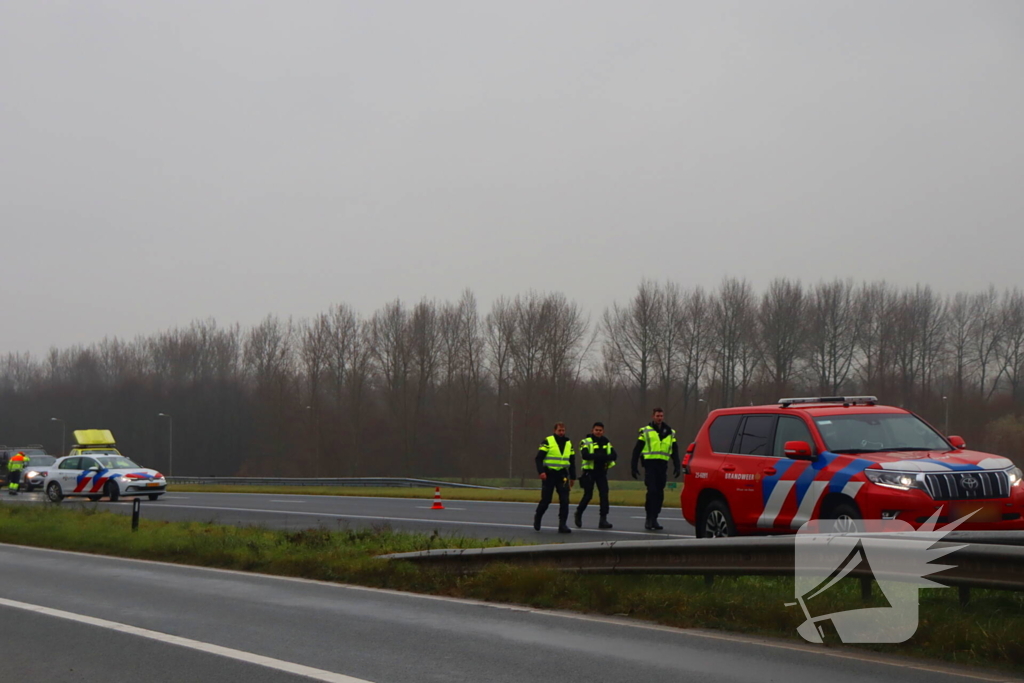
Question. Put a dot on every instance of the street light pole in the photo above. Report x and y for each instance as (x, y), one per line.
(708, 411)
(170, 443)
(945, 400)
(63, 430)
(511, 418)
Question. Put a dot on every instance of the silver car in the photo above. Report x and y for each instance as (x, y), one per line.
(35, 474)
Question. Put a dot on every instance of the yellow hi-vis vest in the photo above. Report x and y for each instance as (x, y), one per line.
(590, 446)
(16, 463)
(655, 447)
(554, 458)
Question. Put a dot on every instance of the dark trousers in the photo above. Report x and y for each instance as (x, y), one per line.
(587, 481)
(557, 480)
(655, 477)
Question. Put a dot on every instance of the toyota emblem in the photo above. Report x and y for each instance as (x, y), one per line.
(969, 482)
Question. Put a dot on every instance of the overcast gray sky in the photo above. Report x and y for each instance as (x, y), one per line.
(164, 160)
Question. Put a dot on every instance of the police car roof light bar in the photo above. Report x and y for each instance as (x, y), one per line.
(845, 400)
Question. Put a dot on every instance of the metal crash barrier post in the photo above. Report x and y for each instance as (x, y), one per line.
(136, 509)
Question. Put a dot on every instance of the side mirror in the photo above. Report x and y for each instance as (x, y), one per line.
(800, 450)
(957, 442)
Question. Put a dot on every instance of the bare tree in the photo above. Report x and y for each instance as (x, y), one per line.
(608, 377)
(697, 336)
(961, 324)
(832, 333)
(564, 346)
(1011, 351)
(449, 326)
(500, 328)
(632, 334)
(18, 372)
(986, 338)
(268, 352)
(875, 306)
(421, 389)
(424, 348)
(733, 321)
(315, 354)
(389, 347)
(670, 344)
(780, 334)
(931, 319)
(270, 365)
(347, 354)
(315, 339)
(471, 355)
(531, 318)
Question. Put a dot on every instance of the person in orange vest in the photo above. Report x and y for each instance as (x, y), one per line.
(14, 467)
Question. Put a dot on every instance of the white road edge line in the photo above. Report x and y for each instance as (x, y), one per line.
(775, 644)
(306, 513)
(247, 657)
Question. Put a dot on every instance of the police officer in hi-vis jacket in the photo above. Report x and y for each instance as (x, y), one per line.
(657, 444)
(557, 469)
(597, 456)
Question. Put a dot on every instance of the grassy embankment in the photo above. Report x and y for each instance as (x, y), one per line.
(988, 632)
(620, 492)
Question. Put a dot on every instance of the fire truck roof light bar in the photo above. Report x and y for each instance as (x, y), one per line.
(845, 400)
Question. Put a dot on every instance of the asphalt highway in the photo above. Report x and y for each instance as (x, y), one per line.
(478, 519)
(75, 617)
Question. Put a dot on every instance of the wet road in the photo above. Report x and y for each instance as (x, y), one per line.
(479, 519)
(88, 618)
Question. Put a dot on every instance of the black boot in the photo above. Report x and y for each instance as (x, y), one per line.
(648, 525)
(578, 518)
(655, 525)
(564, 529)
(604, 523)
(536, 522)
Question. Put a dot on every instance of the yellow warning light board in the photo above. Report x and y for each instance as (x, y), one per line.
(94, 437)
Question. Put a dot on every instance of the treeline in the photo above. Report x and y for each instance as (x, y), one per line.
(433, 388)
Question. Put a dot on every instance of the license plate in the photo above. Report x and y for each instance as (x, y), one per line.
(152, 484)
(983, 512)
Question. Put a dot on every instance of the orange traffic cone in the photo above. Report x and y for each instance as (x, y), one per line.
(437, 499)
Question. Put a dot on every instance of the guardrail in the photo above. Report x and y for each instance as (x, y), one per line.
(987, 561)
(396, 482)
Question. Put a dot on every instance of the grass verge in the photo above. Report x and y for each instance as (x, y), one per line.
(631, 497)
(986, 633)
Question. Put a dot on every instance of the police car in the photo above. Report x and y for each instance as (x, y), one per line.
(95, 468)
(770, 469)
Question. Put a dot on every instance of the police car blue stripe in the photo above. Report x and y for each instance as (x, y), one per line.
(841, 478)
(95, 476)
(803, 482)
(768, 483)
